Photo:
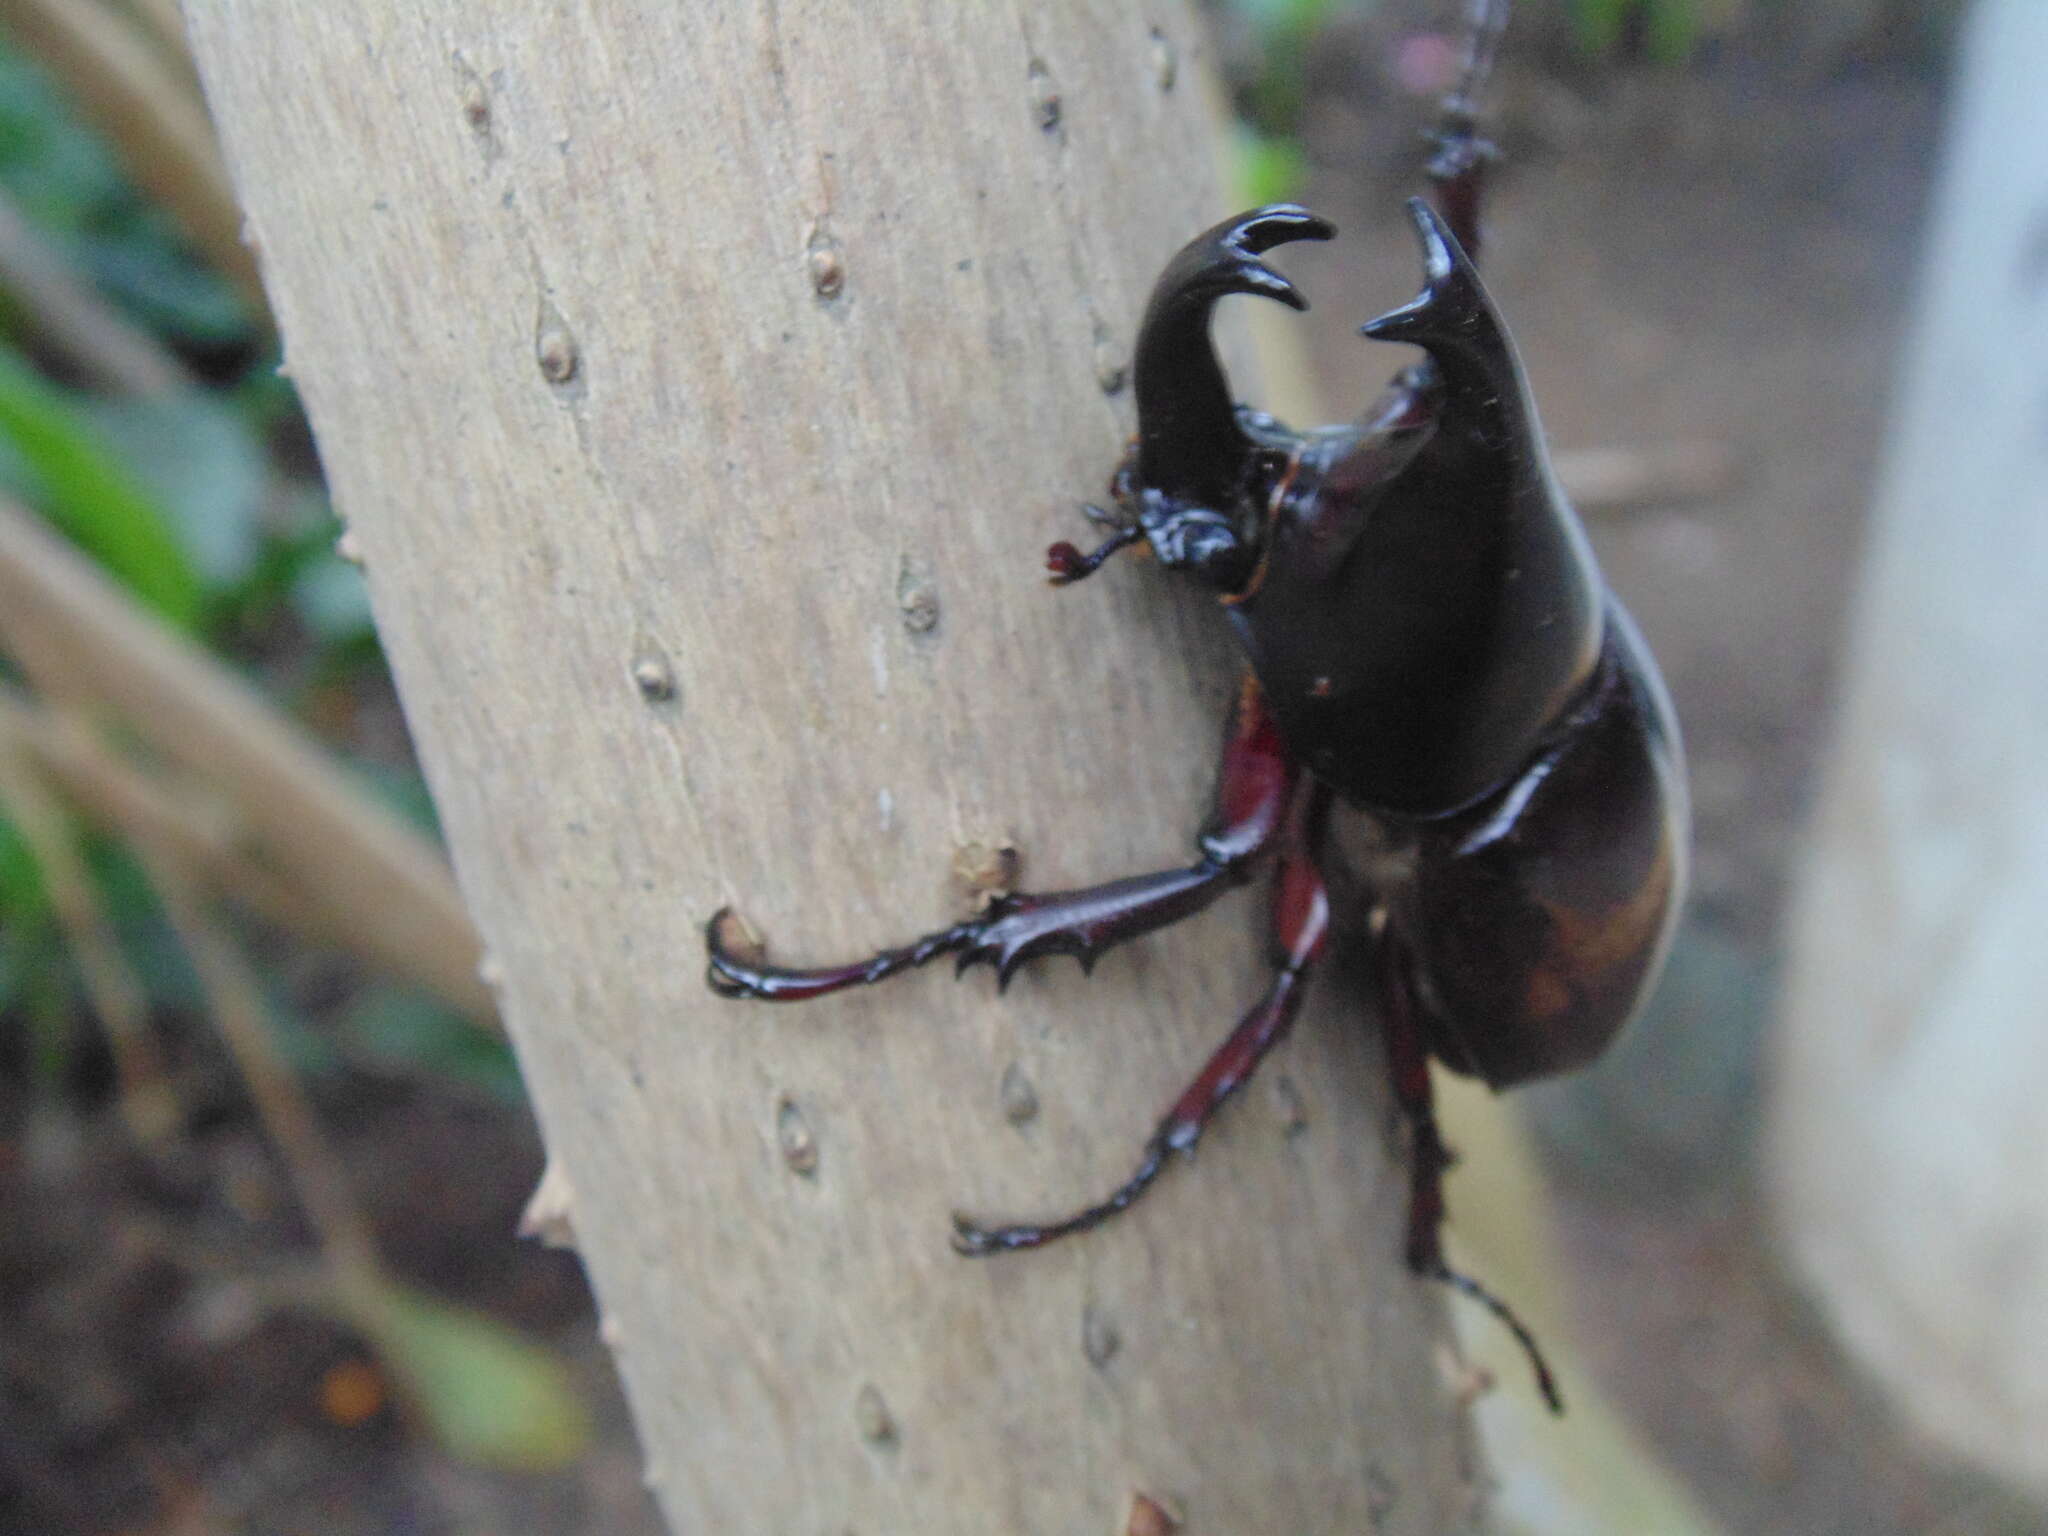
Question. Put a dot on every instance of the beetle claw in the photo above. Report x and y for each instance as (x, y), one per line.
(971, 1240)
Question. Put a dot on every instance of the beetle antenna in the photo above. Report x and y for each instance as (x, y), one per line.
(1546, 1383)
(1458, 166)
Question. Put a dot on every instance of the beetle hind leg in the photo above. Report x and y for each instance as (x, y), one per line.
(1429, 1158)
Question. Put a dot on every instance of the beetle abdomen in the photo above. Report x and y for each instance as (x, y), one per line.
(1539, 917)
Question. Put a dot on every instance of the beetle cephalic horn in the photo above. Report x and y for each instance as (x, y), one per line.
(1189, 443)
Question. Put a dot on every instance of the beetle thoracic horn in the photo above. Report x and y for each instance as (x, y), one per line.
(1189, 443)
(1453, 318)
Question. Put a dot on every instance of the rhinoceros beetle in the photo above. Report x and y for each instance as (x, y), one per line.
(1451, 740)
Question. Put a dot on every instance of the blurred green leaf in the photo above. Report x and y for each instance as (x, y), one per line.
(295, 564)
(139, 263)
(36, 984)
(1597, 24)
(1282, 36)
(25, 917)
(201, 463)
(490, 1394)
(63, 466)
(21, 883)
(59, 169)
(403, 791)
(407, 1028)
(1268, 169)
(1671, 29)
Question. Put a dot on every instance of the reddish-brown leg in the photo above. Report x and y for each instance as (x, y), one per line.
(1301, 922)
(1458, 167)
(1255, 786)
(1428, 1158)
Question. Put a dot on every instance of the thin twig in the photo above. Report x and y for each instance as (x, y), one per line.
(131, 801)
(148, 1104)
(75, 321)
(235, 1002)
(82, 641)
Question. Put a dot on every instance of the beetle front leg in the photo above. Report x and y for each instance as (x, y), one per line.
(1301, 925)
(1255, 786)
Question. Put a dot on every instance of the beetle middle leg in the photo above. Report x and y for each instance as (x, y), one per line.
(1255, 786)
(1301, 925)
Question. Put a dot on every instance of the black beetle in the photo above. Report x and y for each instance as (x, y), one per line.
(1450, 733)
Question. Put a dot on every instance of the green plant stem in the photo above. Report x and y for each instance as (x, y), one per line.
(148, 1104)
(235, 1002)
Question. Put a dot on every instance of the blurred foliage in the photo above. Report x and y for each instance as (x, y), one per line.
(52, 458)
(1285, 32)
(1267, 51)
(1278, 54)
(201, 505)
(69, 185)
(181, 500)
(401, 1028)
(487, 1393)
(1268, 168)
(1669, 29)
(205, 507)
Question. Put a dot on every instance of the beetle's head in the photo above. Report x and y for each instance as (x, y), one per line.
(1216, 544)
(1191, 483)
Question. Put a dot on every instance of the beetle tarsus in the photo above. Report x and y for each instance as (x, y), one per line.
(1546, 1381)
(973, 1240)
(734, 976)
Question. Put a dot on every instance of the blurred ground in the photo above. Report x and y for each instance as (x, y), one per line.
(1723, 256)
(150, 1382)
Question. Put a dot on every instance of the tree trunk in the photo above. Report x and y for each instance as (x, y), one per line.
(1909, 1153)
(702, 385)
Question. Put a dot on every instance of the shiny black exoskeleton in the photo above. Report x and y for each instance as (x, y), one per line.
(1451, 740)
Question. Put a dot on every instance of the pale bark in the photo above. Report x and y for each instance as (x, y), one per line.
(1909, 1148)
(549, 282)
